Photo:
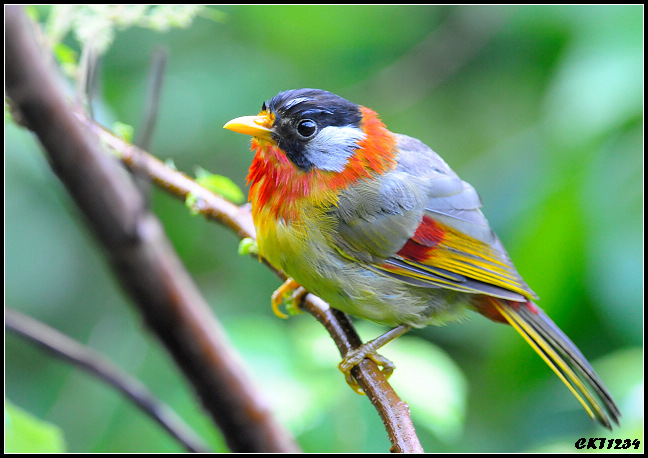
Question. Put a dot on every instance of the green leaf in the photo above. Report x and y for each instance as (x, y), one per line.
(248, 246)
(25, 433)
(212, 14)
(8, 115)
(123, 131)
(191, 202)
(67, 57)
(31, 12)
(220, 185)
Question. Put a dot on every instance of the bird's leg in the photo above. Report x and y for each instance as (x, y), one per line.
(368, 350)
(289, 288)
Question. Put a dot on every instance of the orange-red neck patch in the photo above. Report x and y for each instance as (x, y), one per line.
(277, 186)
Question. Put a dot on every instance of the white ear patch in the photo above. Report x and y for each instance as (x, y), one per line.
(333, 146)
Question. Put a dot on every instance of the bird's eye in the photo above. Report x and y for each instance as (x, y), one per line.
(306, 128)
(264, 107)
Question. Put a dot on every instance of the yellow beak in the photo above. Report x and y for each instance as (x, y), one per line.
(257, 126)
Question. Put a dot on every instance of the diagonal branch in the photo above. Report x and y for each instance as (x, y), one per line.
(94, 363)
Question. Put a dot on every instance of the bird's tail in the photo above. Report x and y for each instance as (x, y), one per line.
(562, 356)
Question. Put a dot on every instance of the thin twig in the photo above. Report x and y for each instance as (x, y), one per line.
(144, 133)
(176, 183)
(88, 79)
(94, 363)
(152, 100)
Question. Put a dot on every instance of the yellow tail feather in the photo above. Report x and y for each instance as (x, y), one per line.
(546, 346)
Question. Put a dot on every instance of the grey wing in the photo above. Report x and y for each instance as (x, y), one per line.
(451, 200)
(376, 218)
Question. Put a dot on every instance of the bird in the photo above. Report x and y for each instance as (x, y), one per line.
(379, 226)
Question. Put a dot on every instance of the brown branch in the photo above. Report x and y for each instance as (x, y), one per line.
(134, 242)
(393, 411)
(94, 363)
(176, 183)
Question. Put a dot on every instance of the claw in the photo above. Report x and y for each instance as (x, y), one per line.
(369, 350)
(355, 357)
(289, 288)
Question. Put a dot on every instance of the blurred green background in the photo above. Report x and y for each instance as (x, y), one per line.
(540, 108)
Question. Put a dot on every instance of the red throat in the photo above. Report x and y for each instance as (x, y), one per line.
(277, 185)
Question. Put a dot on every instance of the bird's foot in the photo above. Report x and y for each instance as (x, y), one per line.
(292, 293)
(355, 357)
(370, 351)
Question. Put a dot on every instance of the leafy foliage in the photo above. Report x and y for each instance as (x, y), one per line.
(26, 434)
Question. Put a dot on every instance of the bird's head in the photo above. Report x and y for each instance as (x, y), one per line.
(315, 129)
(310, 141)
